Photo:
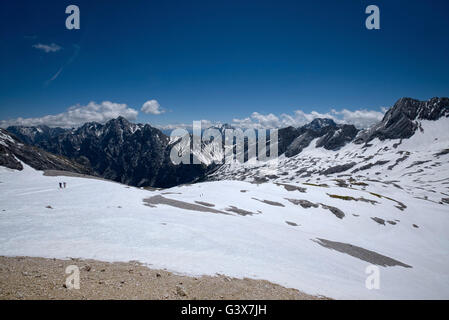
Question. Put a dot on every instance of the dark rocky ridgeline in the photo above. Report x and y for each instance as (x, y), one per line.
(12, 151)
(400, 121)
(286, 137)
(119, 150)
(336, 139)
(37, 136)
(301, 141)
(320, 123)
(332, 136)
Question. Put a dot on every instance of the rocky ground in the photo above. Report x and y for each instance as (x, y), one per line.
(39, 278)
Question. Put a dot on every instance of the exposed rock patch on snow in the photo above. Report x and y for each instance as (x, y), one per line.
(362, 254)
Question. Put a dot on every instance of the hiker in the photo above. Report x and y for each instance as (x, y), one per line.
(60, 185)
(65, 184)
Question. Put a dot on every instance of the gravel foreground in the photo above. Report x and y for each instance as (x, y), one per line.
(39, 278)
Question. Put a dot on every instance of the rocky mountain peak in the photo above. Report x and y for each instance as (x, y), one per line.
(320, 123)
(401, 121)
(413, 109)
(121, 121)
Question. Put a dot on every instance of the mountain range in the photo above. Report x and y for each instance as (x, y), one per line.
(139, 155)
(118, 150)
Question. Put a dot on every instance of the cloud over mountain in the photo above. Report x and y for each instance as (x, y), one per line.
(362, 118)
(78, 115)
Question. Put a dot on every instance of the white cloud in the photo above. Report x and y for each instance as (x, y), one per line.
(360, 118)
(47, 47)
(299, 118)
(173, 126)
(77, 115)
(152, 107)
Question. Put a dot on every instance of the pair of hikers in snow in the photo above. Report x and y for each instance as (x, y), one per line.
(62, 185)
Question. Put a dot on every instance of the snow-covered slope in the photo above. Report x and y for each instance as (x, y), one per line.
(318, 239)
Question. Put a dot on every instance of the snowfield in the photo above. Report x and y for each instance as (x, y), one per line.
(268, 231)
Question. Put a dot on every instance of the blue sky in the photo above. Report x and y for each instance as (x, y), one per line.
(220, 60)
